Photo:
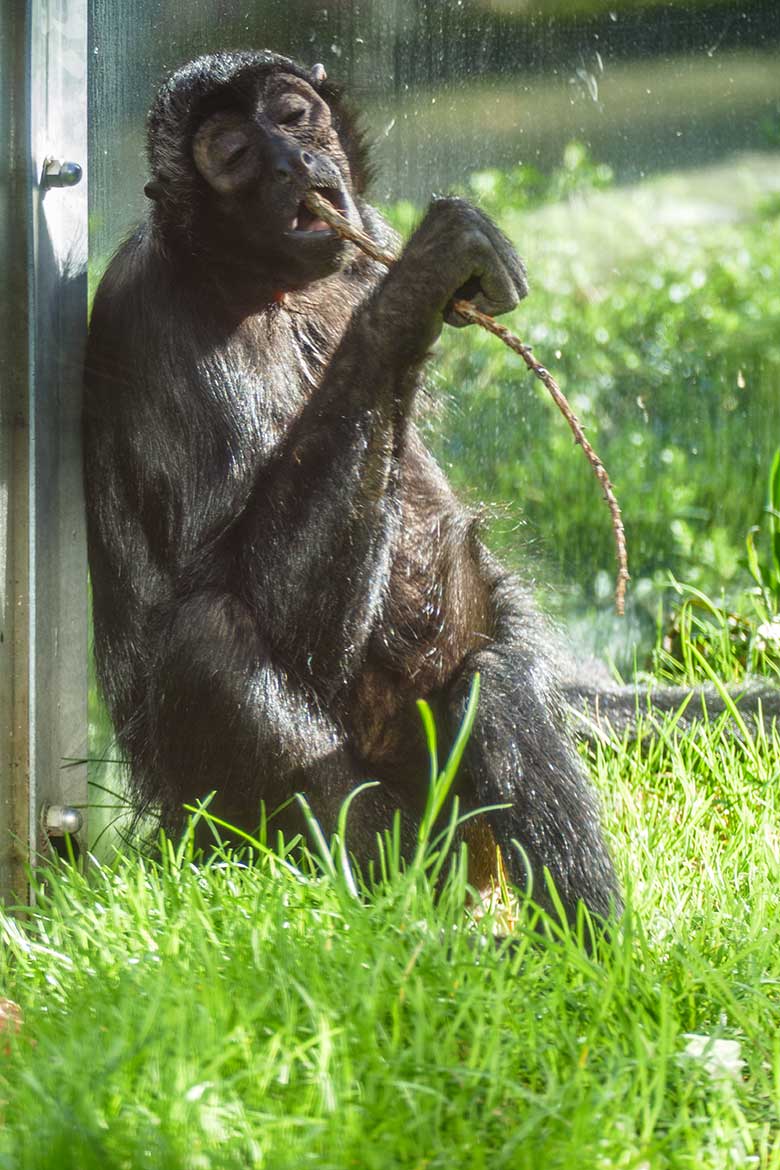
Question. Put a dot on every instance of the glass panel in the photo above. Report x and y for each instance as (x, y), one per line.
(632, 151)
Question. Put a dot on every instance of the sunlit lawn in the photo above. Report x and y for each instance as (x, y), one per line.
(234, 1016)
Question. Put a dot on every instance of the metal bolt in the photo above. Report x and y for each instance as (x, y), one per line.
(60, 819)
(60, 174)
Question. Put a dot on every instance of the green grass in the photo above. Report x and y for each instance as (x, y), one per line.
(657, 308)
(227, 1015)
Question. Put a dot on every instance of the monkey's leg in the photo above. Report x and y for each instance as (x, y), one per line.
(220, 714)
(520, 753)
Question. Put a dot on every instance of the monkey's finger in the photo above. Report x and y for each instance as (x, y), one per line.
(493, 291)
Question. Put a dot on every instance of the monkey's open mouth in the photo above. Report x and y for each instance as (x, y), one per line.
(305, 220)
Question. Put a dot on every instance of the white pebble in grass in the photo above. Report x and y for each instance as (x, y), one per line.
(720, 1058)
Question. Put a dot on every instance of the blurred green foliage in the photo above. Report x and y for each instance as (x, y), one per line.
(731, 642)
(670, 356)
(525, 187)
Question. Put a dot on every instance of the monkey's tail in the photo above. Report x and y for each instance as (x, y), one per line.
(602, 712)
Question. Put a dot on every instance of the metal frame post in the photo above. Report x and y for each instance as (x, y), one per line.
(43, 601)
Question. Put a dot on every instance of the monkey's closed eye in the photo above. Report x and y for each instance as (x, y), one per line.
(292, 117)
(220, 146)
(235, 156)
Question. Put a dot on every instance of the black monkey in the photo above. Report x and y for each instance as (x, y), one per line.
(279, 567)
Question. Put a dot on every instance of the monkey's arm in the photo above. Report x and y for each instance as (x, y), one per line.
(323, 516)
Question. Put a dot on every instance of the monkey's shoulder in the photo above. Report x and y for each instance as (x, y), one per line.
(138, 267)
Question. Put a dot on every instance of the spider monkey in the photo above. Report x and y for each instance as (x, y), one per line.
(279, 567)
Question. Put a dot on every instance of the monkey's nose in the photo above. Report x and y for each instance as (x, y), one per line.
(291, 162)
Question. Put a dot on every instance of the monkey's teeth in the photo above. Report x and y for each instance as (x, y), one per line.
(305, 221)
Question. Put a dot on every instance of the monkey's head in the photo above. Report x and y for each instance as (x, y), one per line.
(235, 141)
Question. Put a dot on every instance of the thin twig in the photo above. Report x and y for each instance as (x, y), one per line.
(470, 312)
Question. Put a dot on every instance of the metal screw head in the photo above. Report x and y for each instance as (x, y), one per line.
(60, 819)
(60, 174)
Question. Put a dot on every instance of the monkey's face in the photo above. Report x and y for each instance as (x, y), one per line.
(257, 160)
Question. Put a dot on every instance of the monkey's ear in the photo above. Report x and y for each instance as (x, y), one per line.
(318, 73)
(153, 189)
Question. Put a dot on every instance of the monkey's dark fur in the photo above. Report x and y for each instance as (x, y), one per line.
(279, 567)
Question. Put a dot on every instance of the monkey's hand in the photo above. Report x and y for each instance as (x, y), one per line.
(457, 252)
